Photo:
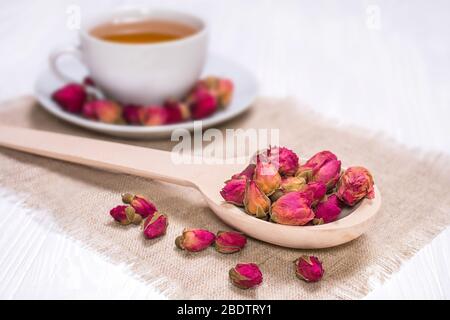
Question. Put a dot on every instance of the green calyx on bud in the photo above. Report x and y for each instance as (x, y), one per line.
(304, 173)
(318, 221)
(178, 242)
(129, 211)
(127, 198)
(137, 219)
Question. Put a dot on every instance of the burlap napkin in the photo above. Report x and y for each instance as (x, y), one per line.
(416, 207)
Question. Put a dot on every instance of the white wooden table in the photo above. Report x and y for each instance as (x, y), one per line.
(383, 65)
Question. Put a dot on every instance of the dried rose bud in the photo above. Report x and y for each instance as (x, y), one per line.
(155, 225)
(247, 173)
(202, 103)
(246, 275)
(255, 201)
(194, 240)
(71, 97)
(89, 110)
(230, 241)
(284, 159)
(124, 214)
(327, 211)
(292, 209)
(329, 173)
(176, 111)
(313, 165)
(153, 116)
(141, 205)
(316, 191)
(319, 159)
(290, 184)
(221, 88)
(234, 191)
(355, 184)
(267, 177)
(309, 268)
(130, 114)
(103, 111)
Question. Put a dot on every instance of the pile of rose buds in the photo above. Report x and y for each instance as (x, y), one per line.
(276, 187)
(204, 99)
(140, 211)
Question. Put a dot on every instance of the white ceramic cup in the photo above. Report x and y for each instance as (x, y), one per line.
(140, 73)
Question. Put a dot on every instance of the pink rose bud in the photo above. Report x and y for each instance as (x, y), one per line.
(234, 191)
(103, 111)
(155, 225)
(246, 275)
(284, 159)
(247, 173)
(328, 210)
(310, 168)
(319, 159)
(255, 201)
(316, 191)
(71, 97)
(194, 240)
(267, 177)
(153, 116)
(176, 111)
(329, 173)
(221, 88)
(141, 205)
(309, 269)
(125, 215)
(292, 209)
(130, 114)
(202, 103)
(230, 241)
(355, 184)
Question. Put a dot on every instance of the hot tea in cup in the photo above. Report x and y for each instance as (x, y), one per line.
(142, 31)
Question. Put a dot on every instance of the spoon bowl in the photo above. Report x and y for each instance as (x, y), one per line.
(208, 179)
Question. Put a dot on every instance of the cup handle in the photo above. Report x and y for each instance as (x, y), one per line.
(56, 55)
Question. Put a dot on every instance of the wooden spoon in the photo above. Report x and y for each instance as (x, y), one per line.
(208, 179)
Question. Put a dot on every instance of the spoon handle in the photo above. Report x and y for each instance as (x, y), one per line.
(111, 156)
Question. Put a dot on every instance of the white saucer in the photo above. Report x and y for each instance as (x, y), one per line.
(246, 88)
